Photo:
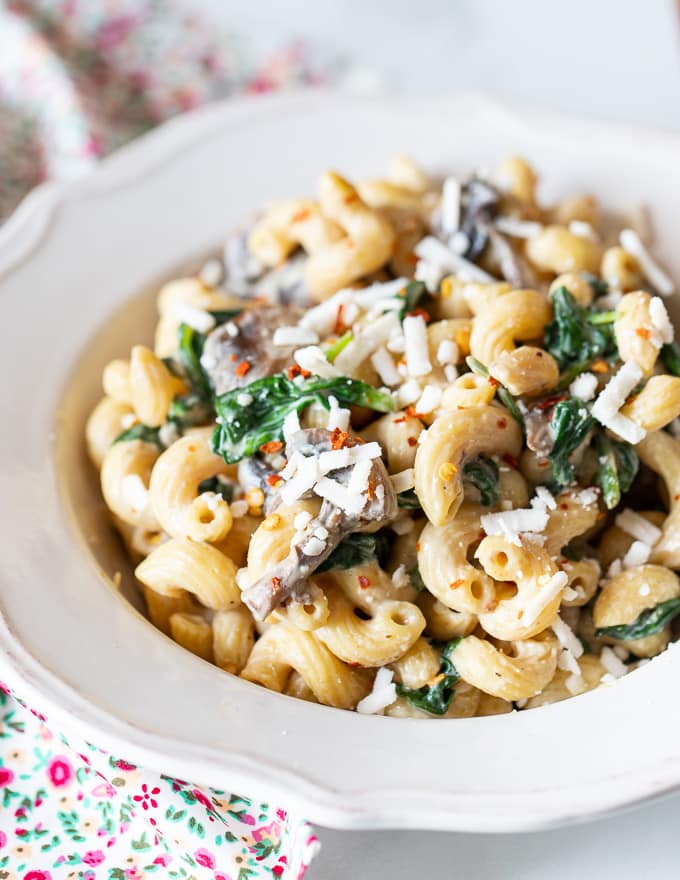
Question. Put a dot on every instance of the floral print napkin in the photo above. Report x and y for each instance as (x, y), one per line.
(77, 79)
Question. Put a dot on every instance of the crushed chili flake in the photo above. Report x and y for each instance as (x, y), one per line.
(350, 198)
(338, 438)
(482, 535)
(550, 401)
(600, 366)
(493, 382)
(520, 615)
(644, 332)
(510, 460)
(412, 414)
(399, 420)
(458, 406)
(296, 370)
(502, 423)
(456, 584)
(676, 498)
(233, 357)
(242, 369)
(370, 491)
(364, 582)
(418, 547)
(543, 463)
(411, 258)
(420, 313)
(412, 441)
(339, 323)
(564, 506)
(271, 446)
(276, 583)
(273, 479)
(300, 216)
(433, 682)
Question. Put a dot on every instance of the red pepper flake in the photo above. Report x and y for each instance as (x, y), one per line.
(644, 332)
(350, 198)
(481, 535)
(399, 420)
(564, 506)
(242, 369)
(456, 584)
(276, 584)
(520, 615)
(493, 382)
(418, 547)
(411, 258)
(273, 479)
(271, 446)
(296, 370)
(370, 491)
(364, 582)
(412, 441)
(676, 498)
(551, 401)
(233, 357)
(502, 423)
(412, 414)
(420, 313)
(600, 366)
(339, 323)
(338, 438)
(300, 216)
(510, 460)
(460, 407)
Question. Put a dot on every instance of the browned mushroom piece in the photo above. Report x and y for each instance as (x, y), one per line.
(288, 579)
(242, 350)
(539, 436)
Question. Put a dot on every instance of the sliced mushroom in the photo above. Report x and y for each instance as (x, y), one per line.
(246, 276)
(513, 267)
(539, 436)
(248, 339)
(479, 204)
(288, 579)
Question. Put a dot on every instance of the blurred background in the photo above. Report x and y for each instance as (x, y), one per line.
(78, 78)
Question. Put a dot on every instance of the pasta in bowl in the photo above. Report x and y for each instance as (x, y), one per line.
(407, 448)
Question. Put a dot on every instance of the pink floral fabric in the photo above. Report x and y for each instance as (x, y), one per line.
(77, 79)
(71, 810)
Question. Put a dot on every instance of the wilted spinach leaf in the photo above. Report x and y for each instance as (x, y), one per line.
(576, 335)
(482, 472)
(140, 432)
(356, 549)
(651, 621)
(436, 698)
(618, 465)
(242, 430)
(570, 424)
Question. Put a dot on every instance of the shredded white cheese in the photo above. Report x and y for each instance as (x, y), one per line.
(197, 318)
(302, 520)
(339, 495)
(291, 425)
(459, 242)
(615, 567)
(645, 590)
(549, 591)
(409, 392)
(450, 211)
(513, 523)
(358, 481)
(244, 399)
(544, 499)
(371, 295)
(313, 359)
(517, 228)
(211, 273)
(611, 663)
(385, 368)
(584, 386)
(400, 578)
(367, 339)
(566, 638)
(631, 242)
(429, 400)
(168, 433)
(338, 416)
(383, 694)
(436, 253)
(451, 373)
(661, 323)
(321, 319)
(403, 481)
(447, 352)
(430, 274)
(415, 335)
(295, 336)
(583, 230)
(612, 398)
(638, 527)
(638, 554)
(306, 475)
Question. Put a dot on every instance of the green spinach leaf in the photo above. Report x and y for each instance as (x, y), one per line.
(408, 500)
(413, 292)
(242, 430)
(578, 335)
(670, 355)
(190, 349)
(356, 549)
(570, 424)
(482, 472)
(651, 621)
(222, 487)
(417, 581)
(618, 464)
(140, 432)
(435, 699)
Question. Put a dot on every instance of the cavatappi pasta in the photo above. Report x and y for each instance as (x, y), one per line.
(408, 447)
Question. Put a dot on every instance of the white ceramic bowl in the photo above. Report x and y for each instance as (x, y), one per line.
(73, 645)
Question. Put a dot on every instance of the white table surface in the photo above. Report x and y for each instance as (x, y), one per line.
(616, 59)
